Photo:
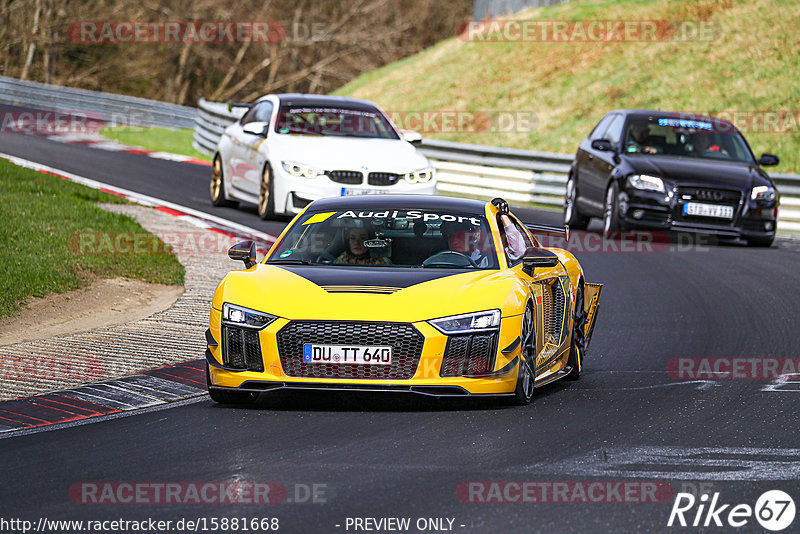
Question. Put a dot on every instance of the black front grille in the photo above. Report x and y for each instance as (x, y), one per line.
(405, 340)
(241, 349)
(705, 194)
(383, 178)
(346, 177)
(469, 355)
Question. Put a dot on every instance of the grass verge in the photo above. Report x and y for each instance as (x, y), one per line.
(40, 214)
(155, 139)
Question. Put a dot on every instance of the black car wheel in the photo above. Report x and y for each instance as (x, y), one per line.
(526, 375)
(611, 210)
(572, 215)
(217, 185)
(576, 348)
(266, 200)
(228, 397)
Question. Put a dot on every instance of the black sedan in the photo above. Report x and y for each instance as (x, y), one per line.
(661, 170)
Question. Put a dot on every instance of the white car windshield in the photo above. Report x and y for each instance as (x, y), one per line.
(334, 121)
(389, 238)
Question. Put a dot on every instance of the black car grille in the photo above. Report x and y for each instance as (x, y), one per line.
(383, 178)
(469, 355)
(241, 349)
(405, 340)
(553, 304)
(705, 194)
(346, 177)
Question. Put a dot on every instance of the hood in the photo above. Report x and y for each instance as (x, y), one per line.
(364, 293)
(716, 173)
(346, 153)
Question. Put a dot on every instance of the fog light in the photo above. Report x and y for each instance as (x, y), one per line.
(768, 226)
(638, 214)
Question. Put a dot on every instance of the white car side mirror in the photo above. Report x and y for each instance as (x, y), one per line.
(412, 136)
(256, 128)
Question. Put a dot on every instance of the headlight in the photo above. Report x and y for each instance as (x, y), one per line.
(245, 317)
(762, 192)
(468, 322)
(646, 182)
(419, 176)
(300, 170)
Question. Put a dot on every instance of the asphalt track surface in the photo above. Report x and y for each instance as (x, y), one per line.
(379, 456)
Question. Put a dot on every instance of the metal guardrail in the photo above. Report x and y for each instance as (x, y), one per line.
(111, 108)
(515, 174)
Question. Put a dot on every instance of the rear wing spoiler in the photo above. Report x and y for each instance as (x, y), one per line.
(232, 105)
(562, 231)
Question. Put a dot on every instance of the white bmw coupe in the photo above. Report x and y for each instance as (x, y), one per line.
(288, 150)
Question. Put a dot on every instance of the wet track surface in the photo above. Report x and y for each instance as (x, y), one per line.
(628, 418)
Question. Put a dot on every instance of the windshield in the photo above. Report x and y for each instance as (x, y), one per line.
(334, 121)
(689, 138)
(395, 238)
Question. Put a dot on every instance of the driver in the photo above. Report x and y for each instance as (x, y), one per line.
(356, 252)
(464, 238)
(639, 139)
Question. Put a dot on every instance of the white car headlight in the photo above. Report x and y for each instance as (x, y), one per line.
(419, 176)
(300, 170)
(468, 322)
(762, 192)
(645, 182)
(245, 317)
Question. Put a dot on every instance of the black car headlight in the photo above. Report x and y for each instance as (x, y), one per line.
(645, 182)
(763, 192)
(467, 322)
(238, 316)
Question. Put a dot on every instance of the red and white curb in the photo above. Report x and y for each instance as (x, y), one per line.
(112, 146)
(197, 218)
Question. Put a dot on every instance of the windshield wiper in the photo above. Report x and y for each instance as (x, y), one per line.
(287, 261)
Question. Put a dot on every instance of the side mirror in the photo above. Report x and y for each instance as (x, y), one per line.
(412, 136)
(256, 128)
(538, 257)
(603, 145)
(767, 160)
(244, 251)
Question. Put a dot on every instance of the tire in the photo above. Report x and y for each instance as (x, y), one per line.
(526, 376)
(572, 215)
(576, 347)
(611, 222)
(760, 241)
(266, 197)
(228, 397)
(217, 185)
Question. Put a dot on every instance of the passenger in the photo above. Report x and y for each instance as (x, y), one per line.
(639, 139)
(357, 253)
(703, 147)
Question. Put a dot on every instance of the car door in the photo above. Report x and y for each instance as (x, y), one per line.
(602, 164)
(251, 158)
(587, 194)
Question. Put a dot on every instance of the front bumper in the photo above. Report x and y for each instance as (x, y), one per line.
(292, 193)
(650, 210)
(499, 377)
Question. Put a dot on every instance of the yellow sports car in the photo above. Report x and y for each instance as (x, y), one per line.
(423, 294)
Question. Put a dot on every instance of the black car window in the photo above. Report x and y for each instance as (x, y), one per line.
(261, 112)
(600, 129)
(614, 131)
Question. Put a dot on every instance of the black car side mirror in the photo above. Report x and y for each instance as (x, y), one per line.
(603, 145)
(538, 257)
(768, 160)
(244, 251)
